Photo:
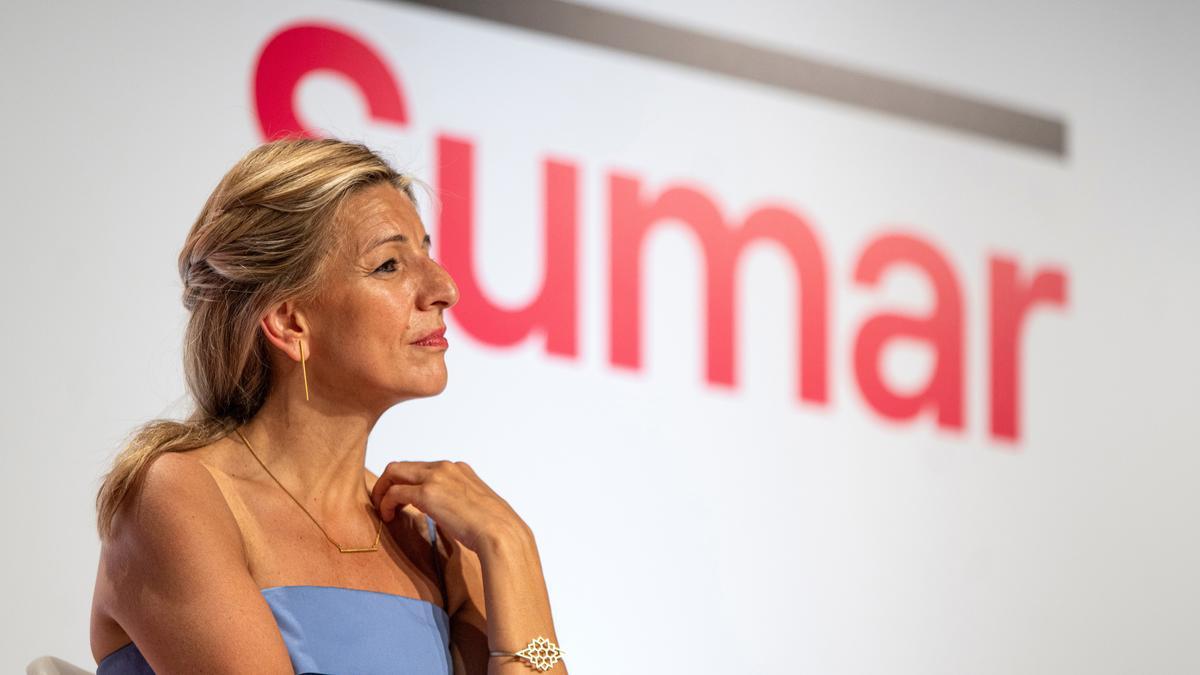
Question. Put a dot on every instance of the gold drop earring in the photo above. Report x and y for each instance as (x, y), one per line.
(303, 369)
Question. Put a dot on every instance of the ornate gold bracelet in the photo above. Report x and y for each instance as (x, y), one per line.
(540, 653)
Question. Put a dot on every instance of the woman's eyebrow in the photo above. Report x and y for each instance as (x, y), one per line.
(426, 243)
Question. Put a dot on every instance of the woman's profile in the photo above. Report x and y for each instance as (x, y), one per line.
(250, 537)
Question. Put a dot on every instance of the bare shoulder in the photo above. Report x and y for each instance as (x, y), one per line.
(178, 496)
(175, 571)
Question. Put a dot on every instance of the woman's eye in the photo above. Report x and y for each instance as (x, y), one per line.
(388, 266)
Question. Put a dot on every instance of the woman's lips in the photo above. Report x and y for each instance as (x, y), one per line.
(433, 342)
(434, 339)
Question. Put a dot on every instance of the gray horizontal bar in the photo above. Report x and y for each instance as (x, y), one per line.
(794, 73)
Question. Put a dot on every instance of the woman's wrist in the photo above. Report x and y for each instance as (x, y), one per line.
(518, 605)
(512, 540)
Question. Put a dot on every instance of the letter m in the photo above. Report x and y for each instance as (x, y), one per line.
(632, 216)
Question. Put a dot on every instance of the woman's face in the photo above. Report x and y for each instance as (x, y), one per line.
(383, 293)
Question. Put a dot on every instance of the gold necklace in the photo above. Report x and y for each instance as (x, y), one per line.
(358, 549)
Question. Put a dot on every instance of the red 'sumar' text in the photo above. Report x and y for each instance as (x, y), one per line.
(1015, 292)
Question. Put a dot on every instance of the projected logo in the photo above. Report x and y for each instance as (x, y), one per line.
(1014, 291)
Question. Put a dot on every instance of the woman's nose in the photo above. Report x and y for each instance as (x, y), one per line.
(440, 289)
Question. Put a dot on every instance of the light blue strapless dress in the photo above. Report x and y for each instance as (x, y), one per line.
(342, 631)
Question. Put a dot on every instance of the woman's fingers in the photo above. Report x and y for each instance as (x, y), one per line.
(403, 473)
(465, 508)
(397, 496)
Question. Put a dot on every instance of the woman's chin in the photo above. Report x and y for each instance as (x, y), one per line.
(425, 389)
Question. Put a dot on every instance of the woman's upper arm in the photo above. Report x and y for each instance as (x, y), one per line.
(468, 624)
(182, 588)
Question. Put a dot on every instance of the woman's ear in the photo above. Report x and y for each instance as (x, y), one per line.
(284, 325)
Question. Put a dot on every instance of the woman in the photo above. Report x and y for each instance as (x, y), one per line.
(250, 538)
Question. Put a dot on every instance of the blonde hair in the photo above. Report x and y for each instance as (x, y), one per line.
(264, 236)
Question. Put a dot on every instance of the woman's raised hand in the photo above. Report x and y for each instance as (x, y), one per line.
(450, 492)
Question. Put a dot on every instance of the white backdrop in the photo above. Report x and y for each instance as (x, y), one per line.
(684, 527)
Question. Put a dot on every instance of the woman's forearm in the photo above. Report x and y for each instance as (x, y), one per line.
(518, 605)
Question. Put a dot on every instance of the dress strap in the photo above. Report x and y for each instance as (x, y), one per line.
(437, 563)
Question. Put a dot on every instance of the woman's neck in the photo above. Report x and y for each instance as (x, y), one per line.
(317, 453)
